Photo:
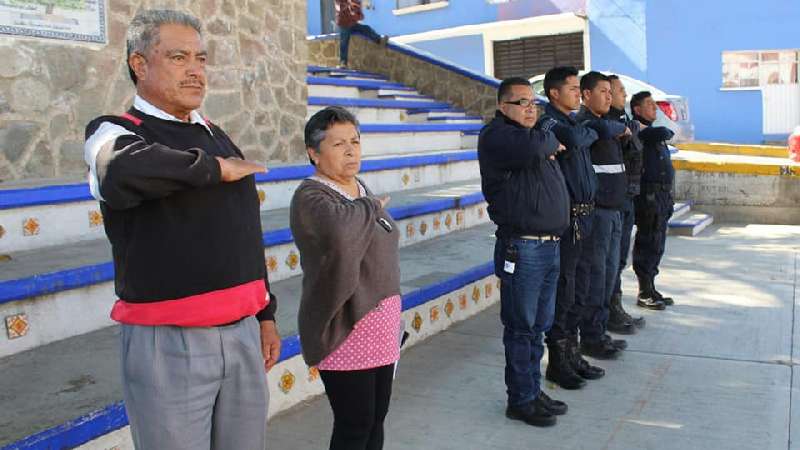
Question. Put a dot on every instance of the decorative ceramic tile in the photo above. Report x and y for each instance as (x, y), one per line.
(17, 326)
(410, 230)
(423, 228)
(313, 374)
(261, 196)
(487, 290)
(459, 218)
(2, 231)
(449, 307)
(95, 219)
(287, 381)
(476, 294)
(272, 264)
(434, 313)
(405, 179)
(30, 227)
(292, 260)
(437, 223)
(416, 324)
(462, 301)
(448, 220)
(480, 213)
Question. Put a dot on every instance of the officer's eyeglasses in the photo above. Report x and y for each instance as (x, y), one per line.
(523, 102)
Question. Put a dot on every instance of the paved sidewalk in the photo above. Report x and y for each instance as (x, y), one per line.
(713, 372)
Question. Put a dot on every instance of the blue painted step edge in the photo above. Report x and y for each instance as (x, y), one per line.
(420, 127)
(96, 424)
(455, 118)
(49, 283)
(375, 103)
(366, 84)
(52, 195)
(323, 69)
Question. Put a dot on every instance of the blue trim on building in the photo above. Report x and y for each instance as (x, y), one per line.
(113, 417)
(429, 58)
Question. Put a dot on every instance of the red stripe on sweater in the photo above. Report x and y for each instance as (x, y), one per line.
(202, 310)
(136, 121)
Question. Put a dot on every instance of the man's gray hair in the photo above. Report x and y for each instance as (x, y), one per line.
(143, 30)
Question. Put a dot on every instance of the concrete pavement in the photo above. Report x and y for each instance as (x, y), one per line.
(716, 371)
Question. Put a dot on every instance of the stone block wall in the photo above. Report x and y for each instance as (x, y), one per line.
(50, 89)
(430, 79)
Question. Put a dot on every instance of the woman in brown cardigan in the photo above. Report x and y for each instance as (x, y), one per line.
(349, 319)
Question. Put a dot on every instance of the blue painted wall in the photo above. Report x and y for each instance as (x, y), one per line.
(685, 56)
(618, 36)
(465, 51)
(314, 18)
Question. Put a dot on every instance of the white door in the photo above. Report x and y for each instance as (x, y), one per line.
(781, 106)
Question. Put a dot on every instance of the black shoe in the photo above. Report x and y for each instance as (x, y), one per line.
(616, 310)
(532, 414)
(666, 300)
(620, 344)
(581, 366)
(649, 301)
(599, 349)
(555, 407)
(626, 328)
(559, 370)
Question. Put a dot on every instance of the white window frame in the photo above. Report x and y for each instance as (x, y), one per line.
(759, 61)
(433, 5)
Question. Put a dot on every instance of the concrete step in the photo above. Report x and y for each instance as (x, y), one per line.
(408, 97)
(456, 119)
(343, 73)
(346, 88)
(681, 208)
(355, 104)
(41, 217)
(68, 392)
(691, 225)
(47, 286)
(392, 139)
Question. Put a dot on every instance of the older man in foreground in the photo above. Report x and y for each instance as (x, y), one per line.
(182, 214)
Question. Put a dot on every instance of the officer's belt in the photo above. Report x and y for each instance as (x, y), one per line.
(582, 209)
(656, 187)
(541, 238)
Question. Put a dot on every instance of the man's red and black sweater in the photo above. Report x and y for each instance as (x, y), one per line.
(187, 247)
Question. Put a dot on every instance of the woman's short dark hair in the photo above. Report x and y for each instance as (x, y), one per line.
(322, 120)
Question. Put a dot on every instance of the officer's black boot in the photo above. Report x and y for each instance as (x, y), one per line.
(620, 344)
(616, 318)
(580, 365)
(616, 303)
(600, 349)
(559, 369)
(647, 295)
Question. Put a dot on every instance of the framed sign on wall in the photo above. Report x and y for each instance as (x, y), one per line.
(74, 20)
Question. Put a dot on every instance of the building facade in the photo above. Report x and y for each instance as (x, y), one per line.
(736, 62)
